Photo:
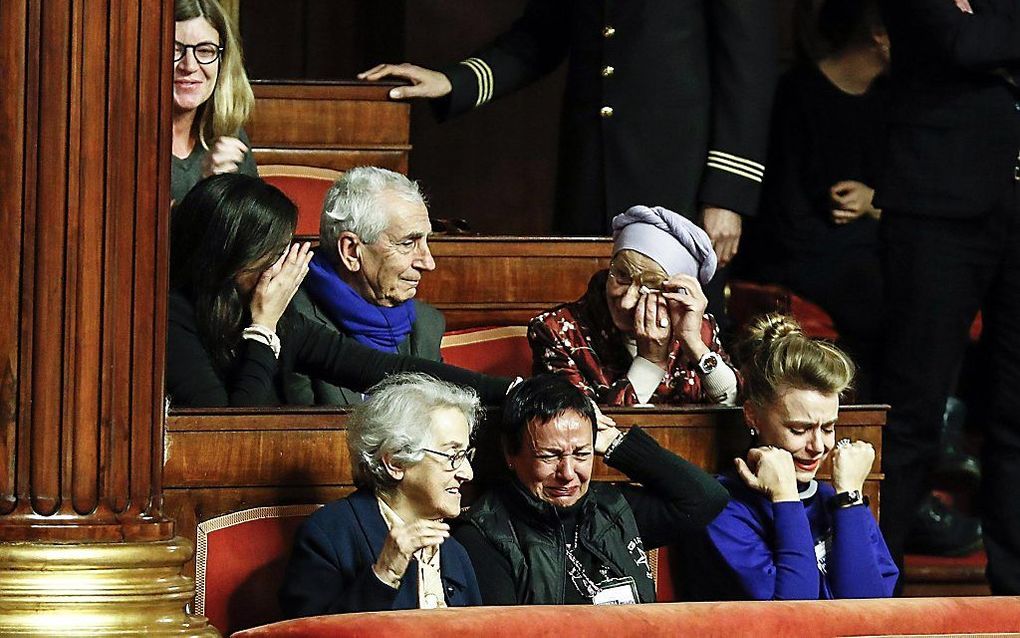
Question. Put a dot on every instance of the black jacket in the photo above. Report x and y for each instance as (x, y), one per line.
(954, 120)
(517, 543)
(689, 83)
(255, 377)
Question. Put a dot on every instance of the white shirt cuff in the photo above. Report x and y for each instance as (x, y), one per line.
(720, 385)
(644, 377)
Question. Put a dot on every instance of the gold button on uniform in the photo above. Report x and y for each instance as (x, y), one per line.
(606, 111)
(608, 71)
(608, 31)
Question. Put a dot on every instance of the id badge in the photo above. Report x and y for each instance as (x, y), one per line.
(616, 591)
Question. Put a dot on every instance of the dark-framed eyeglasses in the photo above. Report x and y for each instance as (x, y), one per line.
(204, 52)
(456, 459)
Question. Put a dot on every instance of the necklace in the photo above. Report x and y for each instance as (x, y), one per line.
(582, 582)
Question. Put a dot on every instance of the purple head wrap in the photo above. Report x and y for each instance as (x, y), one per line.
(673, 241)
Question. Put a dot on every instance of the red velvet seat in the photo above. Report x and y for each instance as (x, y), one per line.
(746, 300)
(902, 616)
(306, 186)
(239, 563)
(502, 351)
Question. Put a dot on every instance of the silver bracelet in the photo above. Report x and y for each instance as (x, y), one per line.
(612, 446)
(264, 335)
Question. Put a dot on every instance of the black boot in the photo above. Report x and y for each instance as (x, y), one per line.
(954, 462)
(937, 530)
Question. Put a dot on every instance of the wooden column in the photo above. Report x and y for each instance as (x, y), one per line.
(84, 193)
(84, 205)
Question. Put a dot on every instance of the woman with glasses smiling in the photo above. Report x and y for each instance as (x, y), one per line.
(548, 535)
(211, 100)
(386, 545)
(640, 334)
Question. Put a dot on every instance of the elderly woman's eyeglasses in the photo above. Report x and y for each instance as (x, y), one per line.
(456, 459)
(626, 278)
(204, 52)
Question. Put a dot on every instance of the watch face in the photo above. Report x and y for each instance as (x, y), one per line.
(708, 363)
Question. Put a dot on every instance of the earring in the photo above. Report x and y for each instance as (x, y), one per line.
(753, 432)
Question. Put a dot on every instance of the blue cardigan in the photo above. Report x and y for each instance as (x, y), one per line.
(330, 569)
(759, 550)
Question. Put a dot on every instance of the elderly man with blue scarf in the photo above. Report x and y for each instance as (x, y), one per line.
(373, 251)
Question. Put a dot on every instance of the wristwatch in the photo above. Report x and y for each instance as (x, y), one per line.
(849, 499)
(708, 362)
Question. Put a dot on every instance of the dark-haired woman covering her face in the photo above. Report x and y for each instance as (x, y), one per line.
(783, 534)
(233, 272)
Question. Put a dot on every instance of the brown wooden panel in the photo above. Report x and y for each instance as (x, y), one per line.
(267, 457)
(289, 122)
(340, 90)
(486, 281)
(333, 125)
(338, 159)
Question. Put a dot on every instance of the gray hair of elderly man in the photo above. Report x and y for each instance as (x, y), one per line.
(353, 204)
(394, 421)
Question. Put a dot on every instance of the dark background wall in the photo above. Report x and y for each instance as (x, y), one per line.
(494, 167)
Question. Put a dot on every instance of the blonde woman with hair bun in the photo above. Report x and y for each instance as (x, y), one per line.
(212, 98)
(784, 535)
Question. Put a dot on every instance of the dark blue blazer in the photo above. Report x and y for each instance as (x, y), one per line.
(330, 569)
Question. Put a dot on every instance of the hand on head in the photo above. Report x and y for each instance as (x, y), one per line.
(851, 464)
(769, 470)
(425, 83)
(224, 156)
(606, 431)
(401, 544)
(278, 285)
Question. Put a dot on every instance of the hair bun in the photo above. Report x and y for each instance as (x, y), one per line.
(776, 326)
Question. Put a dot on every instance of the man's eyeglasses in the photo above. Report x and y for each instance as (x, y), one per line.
(204, 52)
(457, 458)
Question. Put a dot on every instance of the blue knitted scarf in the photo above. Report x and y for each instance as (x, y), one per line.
(375, 326)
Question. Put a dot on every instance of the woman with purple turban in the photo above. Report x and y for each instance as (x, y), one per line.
(640, 334)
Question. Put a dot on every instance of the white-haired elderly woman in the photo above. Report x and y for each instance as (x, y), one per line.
(373, 252)
(640, 334)
(386, 546)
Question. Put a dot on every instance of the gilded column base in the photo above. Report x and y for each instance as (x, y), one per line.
(97, 589)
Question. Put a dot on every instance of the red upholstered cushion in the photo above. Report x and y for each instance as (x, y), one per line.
(306, 187)
(927, 616)
(747, 300)
(502, 351)
(239, 563)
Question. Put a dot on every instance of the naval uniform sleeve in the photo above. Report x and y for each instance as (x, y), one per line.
(533, 46)
(742, 53)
